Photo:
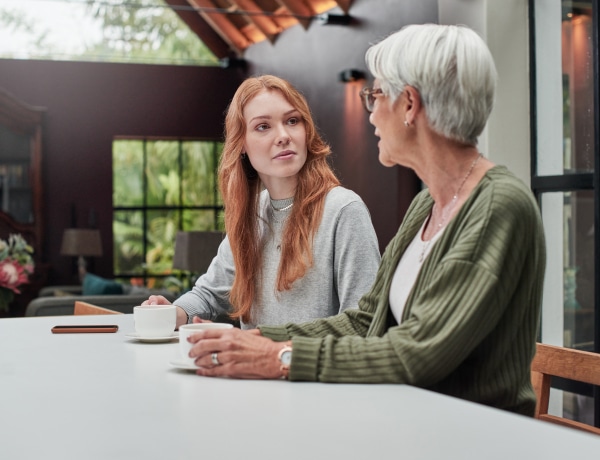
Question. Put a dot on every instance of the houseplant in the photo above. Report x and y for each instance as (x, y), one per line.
(16, 265)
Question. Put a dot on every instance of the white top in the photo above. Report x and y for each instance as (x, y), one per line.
(104, 396)
(408, 269)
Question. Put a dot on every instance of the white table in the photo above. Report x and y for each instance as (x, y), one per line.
(104, 396)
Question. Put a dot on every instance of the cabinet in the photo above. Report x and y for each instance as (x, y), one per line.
(21, 183)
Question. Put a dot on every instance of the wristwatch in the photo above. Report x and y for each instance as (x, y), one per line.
(285, 358)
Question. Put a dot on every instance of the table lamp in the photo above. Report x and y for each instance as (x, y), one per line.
(194, 251)
(81, 243)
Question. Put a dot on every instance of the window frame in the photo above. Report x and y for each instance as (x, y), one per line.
(571, 182)
(145, 208)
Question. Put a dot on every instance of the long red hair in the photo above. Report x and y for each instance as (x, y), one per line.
(240, 188)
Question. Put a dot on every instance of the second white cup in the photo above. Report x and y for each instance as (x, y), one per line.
(188, 329)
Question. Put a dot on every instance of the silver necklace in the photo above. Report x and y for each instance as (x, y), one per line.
(285, 208)
(448, 210)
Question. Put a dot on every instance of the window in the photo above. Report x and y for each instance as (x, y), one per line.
(160, 187)
(144, 31)
(566, 181)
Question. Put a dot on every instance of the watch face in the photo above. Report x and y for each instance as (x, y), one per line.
(286, 358)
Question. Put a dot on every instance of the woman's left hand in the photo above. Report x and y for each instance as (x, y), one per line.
(241, 354)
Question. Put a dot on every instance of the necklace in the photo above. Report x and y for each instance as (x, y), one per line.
(285, 208)
(448, 210)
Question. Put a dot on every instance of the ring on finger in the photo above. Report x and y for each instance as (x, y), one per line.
(215, 359)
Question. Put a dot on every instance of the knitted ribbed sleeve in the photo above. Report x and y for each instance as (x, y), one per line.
(470, 323)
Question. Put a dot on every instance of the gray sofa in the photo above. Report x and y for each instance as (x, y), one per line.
(48, 303)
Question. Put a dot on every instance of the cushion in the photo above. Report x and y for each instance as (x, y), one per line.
(95, 285)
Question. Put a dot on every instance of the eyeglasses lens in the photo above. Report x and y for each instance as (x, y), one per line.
(367, 96)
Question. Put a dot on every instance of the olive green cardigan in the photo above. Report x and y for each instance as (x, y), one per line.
(470, 323)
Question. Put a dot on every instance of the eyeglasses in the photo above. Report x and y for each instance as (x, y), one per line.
(367, 95)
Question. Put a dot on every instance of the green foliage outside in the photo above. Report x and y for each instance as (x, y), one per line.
(144, 31)
(160, 187)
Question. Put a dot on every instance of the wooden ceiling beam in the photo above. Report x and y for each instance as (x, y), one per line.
(298, 8)
(344, 5)
(264, 23)
(204, 30)
(223, 26)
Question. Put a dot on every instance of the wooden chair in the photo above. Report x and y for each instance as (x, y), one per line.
(577, 365)
(84, 308)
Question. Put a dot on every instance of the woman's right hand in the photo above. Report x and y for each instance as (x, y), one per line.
(197, 319)
(182, 316)
(156, 300)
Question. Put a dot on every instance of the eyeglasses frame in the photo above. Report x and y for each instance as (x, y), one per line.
(367, 96)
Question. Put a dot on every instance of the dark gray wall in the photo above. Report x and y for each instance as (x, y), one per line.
(312, 60)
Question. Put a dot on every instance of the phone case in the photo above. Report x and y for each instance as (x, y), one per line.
(79, 328)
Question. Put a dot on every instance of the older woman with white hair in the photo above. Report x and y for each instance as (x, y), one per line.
(456, 301)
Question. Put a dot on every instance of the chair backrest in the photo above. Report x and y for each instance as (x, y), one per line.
(577, 365)
(84, 308)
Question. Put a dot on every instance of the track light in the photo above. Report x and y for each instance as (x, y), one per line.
(328, 19)
(350, 75)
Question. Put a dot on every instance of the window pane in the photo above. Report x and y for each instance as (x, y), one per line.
(198, 173)
(128, 184)
(578, 88)
(117, 31)
(199, 220)
(568, 311)
(579, 269)
(564, 87)
(160, 232)
(578, 407)
(149, 210)
(128, 242)
(162, 172)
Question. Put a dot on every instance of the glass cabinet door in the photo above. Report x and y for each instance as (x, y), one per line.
(20, 170)
(16, 198)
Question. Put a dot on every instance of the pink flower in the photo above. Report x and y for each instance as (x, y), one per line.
(12, 275)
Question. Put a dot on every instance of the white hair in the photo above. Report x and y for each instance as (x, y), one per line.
(452, 69)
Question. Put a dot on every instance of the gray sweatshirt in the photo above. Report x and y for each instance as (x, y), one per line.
(346, 258)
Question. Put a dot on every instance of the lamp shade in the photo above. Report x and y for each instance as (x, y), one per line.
(81, 242)
(194, 251)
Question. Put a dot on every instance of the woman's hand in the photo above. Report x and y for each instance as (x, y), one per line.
(241, 354)
(156, 300)
(197, 319)
(182, 317)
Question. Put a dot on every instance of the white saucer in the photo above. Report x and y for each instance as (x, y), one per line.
(136, 336)
(179, 363)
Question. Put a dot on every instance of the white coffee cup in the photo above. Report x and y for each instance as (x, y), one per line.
(155, 320)
(189, 329)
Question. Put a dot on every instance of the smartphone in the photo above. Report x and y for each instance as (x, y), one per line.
(77, 328)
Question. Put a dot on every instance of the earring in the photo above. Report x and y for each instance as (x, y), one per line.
(243, 156)
(406, 123)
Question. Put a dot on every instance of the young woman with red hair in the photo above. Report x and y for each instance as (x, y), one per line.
(298, 246)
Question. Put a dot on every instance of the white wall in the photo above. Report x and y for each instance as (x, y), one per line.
(504, 26)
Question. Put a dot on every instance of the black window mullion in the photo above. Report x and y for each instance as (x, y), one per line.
(563, 183)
